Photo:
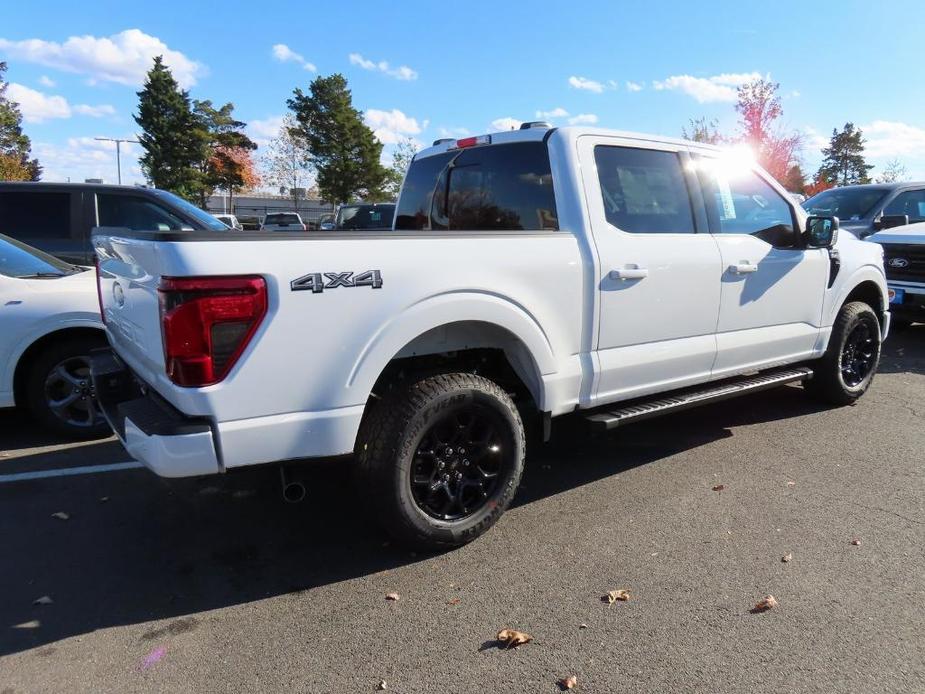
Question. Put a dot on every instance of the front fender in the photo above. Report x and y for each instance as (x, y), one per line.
(847, 284)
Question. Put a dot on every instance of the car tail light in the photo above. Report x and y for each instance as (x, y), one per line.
(99, 287)
(207, 322)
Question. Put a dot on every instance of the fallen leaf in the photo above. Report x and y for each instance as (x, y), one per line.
(382, 685)
(856, 542)
(393, 597)
(791, 484)
(104, 499)
(61, 515)
(621, 594)
(768, 603)
(44, 600)
(787, 557)
(582, 626)
(31, 624)
(569, 682)
(513, 638)
(719, 487)
(454, 601)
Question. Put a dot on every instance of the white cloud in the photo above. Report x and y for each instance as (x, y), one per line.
(83, 157)
(46, 81)
(506, 123)
(557, 112)
(583, 119)
(708, 89)
(391, 127)
(95, 111)
(893, 139)
(37, 106)
(284, 54)
(124, 58)
(634, 87)
(586, 84)
(402, 72)
(453, 132)
(262, 130)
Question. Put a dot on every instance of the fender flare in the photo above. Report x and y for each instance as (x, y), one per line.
(865, 273)
(444, 309)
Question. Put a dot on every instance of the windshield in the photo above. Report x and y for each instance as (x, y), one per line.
(848, 204)
(365, 217)
(282, 219)
(202, 217)
(19, 260)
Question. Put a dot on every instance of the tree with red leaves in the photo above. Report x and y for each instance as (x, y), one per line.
(232, 168)
(759, 110)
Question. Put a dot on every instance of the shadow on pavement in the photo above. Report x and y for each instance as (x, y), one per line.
(904, 351)
(138, 548)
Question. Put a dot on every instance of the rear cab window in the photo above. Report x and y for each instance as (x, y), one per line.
(136, 213)
(501, 187)
(282, 219)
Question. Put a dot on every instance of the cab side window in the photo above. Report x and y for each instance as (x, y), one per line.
(644, 190)
(911, 203)
(29, 217)
(135, 213)
(739, 201)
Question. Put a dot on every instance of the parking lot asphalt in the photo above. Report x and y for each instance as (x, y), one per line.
(215, 584)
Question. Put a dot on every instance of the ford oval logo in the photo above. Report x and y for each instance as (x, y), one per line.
(898, 262)
(118, 295)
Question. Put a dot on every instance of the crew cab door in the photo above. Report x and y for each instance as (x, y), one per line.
(772, 288)
(659, 268)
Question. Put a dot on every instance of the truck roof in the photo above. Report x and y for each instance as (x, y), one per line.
(541, 132)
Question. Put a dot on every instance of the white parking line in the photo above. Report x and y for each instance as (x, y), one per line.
(68, 471)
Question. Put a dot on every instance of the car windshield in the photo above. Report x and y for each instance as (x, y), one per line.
(202, 217)
(282, 219)
(848, 204)
(365, 217)
(22, 261)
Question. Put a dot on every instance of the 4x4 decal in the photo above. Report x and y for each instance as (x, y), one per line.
(317, 282)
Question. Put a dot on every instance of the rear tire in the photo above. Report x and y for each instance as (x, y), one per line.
(58, 390)
(441, 459)
(846, 370)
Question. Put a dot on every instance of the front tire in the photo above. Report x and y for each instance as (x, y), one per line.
(846, 370)
(441, 459)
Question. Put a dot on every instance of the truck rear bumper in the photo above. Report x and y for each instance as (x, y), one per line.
(153, 432)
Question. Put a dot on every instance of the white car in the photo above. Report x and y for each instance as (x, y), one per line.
(283, 221)
(904, 262)
(50, 318)
(230, 221)
(530, 274)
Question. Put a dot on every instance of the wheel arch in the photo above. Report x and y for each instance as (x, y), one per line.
(37, 346)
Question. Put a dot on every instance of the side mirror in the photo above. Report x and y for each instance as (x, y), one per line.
(888, 221)
(821, 232)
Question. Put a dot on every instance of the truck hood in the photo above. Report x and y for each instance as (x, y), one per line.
(912, 234)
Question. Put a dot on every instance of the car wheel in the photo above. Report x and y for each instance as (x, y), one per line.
(846, 370)
(441, 459)
(59, 391)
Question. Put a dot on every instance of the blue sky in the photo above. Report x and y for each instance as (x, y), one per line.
(427, 69)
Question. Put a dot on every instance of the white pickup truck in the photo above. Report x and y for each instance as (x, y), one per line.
(529, 274)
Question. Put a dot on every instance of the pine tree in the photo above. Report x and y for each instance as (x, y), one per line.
(338, 144)
(172, 137)
(15, 147)
(843, 163)
(795, 180)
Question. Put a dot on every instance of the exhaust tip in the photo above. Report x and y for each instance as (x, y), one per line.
(294, 492)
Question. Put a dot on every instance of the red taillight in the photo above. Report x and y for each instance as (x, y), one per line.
(207, 323)
(99, 287)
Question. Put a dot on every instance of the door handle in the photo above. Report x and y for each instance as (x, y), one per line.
(629, 272)
(743, 267)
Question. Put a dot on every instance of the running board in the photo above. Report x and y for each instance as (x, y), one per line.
(683, 400)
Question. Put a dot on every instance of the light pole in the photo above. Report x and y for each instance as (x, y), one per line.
(118, 152)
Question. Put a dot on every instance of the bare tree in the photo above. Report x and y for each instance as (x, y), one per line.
(282, 163)
(893, 172)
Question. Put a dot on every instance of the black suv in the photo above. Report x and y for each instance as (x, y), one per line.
(58, 217)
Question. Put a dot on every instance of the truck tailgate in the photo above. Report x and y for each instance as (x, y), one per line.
(128, 279)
